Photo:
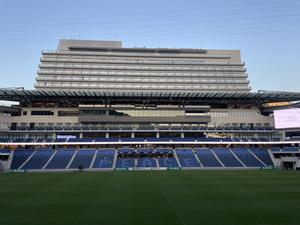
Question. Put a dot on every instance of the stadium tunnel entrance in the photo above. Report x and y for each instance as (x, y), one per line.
(289, 164)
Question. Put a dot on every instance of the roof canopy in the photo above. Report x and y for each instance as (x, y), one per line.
(159, 97)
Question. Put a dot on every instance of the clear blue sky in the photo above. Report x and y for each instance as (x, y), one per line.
(266, 31)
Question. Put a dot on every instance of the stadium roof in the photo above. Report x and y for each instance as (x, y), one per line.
(176, 97)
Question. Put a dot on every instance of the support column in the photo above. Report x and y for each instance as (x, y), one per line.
(283, 136)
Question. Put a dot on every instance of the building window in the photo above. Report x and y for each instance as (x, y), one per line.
(67, 113)
(42, 113)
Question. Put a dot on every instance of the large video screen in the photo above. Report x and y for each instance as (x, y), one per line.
(287, 118)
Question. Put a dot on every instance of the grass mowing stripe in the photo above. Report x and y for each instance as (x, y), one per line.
(169, 202)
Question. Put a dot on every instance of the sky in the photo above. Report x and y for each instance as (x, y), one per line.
(266, 31)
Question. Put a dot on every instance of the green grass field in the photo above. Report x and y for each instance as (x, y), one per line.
(151, 197)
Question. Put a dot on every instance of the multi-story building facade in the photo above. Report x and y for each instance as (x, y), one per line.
(106, 65)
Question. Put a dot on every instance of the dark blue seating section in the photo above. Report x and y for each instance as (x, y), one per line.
(126, 150)
(263, 155)
(290, 149)
(164, 150)
(4, 152)
(132, 139)
(81, 140)
(246, 157)
(187, 158)
(146, 162)
(82, 158)
(60, 140)
(38, 160)
(183, 139)
(117, 128)
(153, 139)
(275, 149)
(209, 139)
(61, 159)
(145, 151)
(20, 156)
(227, 157)
(104, 158)
(141, 157)
(143, 139)
(125, 162)
(207, 158)
(106, 139)
(167, 162)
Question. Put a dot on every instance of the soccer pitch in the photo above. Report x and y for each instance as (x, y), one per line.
(151, 197)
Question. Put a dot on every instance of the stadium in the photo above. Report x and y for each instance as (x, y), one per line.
(175, 118)
(97, 105)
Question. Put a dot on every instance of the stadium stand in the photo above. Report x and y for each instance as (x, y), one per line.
(20, 156)
(207, 158)
(83, 159)
(187, 158)
(227, 157)
(125, 157)
(38, 159)
(104, 159)
(167, 162)
(61, 159)
(263, 155)
(146, 162)
(290, 149)
(125, 163)
(247, 158)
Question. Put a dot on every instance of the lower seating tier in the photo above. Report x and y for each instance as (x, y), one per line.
(111, 158)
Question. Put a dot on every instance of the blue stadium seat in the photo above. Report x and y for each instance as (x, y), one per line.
(4, 152)
(227, 157)
(83, 158)
(39, 159)
(81, 140)
(207, 158)
(183, 139)
(152, 139)
(126, 150)
(187, 158)
(167, 162)
(60, 140)
(290, 149)
(146, 162)
(61, 159)
(145, 150)
(106, 139)
(104, 158)
(263, 155)
(247, 158)
(175, 127)
(132, 139)
(20, 156)
(275, 149)
(164, 150)
(125, 162)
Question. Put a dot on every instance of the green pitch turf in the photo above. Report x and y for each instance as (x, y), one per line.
(151, 197)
